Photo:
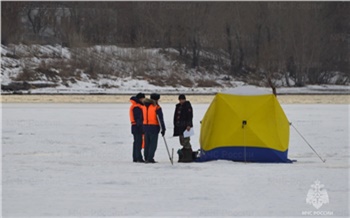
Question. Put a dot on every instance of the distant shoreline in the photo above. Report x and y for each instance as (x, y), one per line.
(165, 98)
(172, 93)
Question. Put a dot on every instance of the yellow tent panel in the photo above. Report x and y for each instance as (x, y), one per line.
(251, 128)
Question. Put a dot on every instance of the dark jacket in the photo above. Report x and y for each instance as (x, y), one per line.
(183, 116)
(136, 115)
(151, 128)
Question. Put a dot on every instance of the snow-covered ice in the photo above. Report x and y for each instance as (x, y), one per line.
(75, 160)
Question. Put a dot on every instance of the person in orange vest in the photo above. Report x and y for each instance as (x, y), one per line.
(151, 112)
(136, 119)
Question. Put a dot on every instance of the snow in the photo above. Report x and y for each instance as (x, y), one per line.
(248, 90)
(128, 85)
(75, 160)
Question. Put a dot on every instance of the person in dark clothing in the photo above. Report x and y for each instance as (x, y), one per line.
(151, 112)
(183, 116)
(136, 119)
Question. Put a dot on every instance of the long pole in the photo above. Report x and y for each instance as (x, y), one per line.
(244, 123)
(166, 145)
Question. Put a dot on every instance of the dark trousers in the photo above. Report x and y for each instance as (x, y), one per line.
(136, 153)
(151, 141)
(185, 142)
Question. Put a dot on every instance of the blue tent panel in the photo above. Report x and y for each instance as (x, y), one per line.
(248, 154)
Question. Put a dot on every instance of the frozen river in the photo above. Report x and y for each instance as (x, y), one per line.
(75, 160)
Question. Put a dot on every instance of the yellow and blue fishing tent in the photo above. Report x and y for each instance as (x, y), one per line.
(252, 128)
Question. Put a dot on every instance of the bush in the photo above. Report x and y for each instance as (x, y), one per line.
(14, 56)
(26, 75)
(107, 86)
(207, 83)
(187, 82)
(48, 71)
(157, 81)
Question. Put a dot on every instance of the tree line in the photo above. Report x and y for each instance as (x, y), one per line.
(304, 41)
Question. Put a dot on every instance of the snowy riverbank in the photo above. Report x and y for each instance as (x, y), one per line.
(46, 69)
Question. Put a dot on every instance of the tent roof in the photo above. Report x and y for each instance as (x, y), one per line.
(248, 90)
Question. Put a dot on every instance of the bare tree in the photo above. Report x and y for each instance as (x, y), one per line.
(40, 16)
(266, 41)
(11, 27)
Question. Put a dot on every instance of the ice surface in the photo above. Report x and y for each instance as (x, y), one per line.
(75, 160)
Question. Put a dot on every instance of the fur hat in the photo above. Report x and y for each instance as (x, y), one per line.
(155, 96)
(140, 95)
(182, 96)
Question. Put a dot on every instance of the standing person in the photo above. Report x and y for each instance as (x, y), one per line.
(152, 126)
(136, 119)
(183, 116)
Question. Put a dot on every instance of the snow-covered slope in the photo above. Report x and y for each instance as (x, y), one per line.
(114, 70)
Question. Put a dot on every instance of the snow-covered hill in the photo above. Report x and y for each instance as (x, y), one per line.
(114, 70)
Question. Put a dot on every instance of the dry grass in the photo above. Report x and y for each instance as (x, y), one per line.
(26, 75)
(207, 83)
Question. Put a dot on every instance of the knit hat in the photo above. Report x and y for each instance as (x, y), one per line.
(155, 96)
(140, 95)
(182, 96)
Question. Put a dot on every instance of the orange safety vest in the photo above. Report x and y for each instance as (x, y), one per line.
(150, 115)
(131, 111)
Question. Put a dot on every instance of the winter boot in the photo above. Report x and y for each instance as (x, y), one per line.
(185, 155)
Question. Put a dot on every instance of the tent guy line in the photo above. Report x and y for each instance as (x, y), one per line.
(323, 160)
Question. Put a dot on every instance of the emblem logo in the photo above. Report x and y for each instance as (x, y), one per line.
(317, 195)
